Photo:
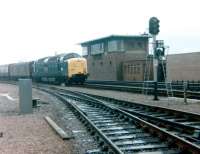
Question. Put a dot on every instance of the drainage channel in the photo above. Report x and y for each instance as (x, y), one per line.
(123, 131)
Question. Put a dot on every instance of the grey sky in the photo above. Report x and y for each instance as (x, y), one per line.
(31, 29)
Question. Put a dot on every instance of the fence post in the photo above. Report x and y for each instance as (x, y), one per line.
(185, 92)
(155, 91)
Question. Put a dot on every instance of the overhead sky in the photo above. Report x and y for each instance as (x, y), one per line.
(32, 29)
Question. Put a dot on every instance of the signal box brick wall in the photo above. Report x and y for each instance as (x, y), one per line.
(109, 66)
(138, 70)
(183, 67)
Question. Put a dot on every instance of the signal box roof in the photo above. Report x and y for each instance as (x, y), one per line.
(111, 37)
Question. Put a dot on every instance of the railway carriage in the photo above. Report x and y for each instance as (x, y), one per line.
(4, 72)
(20, 70)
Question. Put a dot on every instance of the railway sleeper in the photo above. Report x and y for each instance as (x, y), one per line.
(114, 128)
(111, 124)
(130, 136)
(137, 142)
(119, 133)
(148, 147)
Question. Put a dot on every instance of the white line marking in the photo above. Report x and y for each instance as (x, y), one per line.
(7, 96)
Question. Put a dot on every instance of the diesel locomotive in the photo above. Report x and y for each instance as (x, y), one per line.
(64, 68)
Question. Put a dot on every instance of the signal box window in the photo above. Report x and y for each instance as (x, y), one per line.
(85, 51)
(97, 49)
(116, 46)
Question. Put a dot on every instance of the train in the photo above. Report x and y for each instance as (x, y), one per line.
(63, 68)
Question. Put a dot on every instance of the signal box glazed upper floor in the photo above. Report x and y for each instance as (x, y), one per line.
(138, 44)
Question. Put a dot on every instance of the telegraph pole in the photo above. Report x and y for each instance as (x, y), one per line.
(154, 30)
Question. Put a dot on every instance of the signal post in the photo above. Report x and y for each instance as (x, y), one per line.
(154, 30)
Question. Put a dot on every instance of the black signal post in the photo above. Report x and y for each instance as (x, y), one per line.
(154, 30)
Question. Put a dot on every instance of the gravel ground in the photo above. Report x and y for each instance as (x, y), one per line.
(173, 103)
(31, 134)
(7, 106)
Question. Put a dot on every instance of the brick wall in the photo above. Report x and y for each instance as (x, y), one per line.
(109, 66)
(183, 66)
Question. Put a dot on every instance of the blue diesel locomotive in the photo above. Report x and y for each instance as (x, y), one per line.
(63, 68)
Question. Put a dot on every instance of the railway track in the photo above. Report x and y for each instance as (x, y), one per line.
(118, 131)
(179, 85)
(183, 124)
(138, 87)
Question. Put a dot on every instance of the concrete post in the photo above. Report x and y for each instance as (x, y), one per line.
(25, 96)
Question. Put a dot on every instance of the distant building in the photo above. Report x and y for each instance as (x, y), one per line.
(116, 57)
(185, 66)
